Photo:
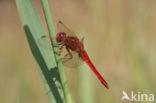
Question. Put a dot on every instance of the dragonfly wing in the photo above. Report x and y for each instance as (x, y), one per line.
(63, 28)
(75, 62)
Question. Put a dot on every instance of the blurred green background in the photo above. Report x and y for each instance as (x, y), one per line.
(120, 38)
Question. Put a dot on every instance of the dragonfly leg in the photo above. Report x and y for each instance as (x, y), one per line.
(61, 48)
(69, 53)
(59, 53)
(65, 59)
(65, 56)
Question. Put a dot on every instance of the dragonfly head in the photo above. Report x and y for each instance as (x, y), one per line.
(61, 36)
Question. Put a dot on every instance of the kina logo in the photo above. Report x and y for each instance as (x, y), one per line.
(138, 97)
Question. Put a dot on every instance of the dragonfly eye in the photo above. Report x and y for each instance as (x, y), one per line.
(61, 39)
(60, 36)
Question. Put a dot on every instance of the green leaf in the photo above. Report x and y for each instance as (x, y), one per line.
(47, 14)
(45, 59)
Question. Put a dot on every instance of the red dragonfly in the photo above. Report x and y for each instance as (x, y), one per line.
(68, 39)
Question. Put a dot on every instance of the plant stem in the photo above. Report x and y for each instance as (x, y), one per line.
(51, 30)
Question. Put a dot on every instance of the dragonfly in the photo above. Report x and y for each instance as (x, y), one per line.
(68, 39)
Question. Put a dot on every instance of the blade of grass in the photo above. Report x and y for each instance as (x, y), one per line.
(45, 59)
(86, 85)
(50, 25)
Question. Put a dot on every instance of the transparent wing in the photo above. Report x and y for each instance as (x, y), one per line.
(76, 61)
(63, 28)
